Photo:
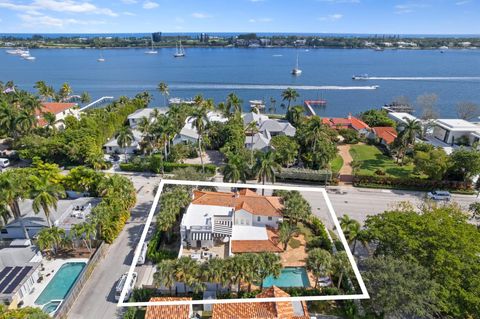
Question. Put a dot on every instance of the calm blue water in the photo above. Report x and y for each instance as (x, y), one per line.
(289, 277)
(215, 72)
(61, 283)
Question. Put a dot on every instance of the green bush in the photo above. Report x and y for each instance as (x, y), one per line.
(143, 294)
(409, 183)
(154, 165)
(303, 174)
(294, 243)
(350, 136)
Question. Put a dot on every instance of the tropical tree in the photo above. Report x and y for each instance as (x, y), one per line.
(353, 232)
(270, 264)
(8, 116)
(290, 95)
(320, 262)
(341, 265)
(165, 274)
(251, 130)
(51, 238)
(296, 208)
(295, 115)
(85, 231)
(285, 232)
(163, 89)
(215, 270)
(85, 98)
(233, 105)
(235, 169)
(50, 121)
(408, 134)
(14, 187)
(125, 139)
(286, 149)
(266, 167)
(24, 121)
(199, 120)
(45, 195)
(187, 271)
(64, 92)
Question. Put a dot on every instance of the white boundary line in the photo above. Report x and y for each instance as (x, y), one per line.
(163, 182)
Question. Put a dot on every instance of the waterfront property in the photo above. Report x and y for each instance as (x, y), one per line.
(266, 129)
(386, 135)
(349, 122)
(244, 220)
(137, 116)
(456, 131)
(60, 110)
(189, 134)
(112, 147)
(264, 310)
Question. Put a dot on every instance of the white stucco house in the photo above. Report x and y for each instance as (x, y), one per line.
(189, 134)
(134, 118)
(244, 219)
(267, 128)
(60, 110)
(112, 147)
(450, 131)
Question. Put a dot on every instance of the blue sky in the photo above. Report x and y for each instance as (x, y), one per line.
(316, 16)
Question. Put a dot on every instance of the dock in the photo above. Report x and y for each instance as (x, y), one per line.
(310, 103)
(100, 101)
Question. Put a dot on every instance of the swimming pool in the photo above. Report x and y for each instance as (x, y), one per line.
(289, 277)
(61, 283)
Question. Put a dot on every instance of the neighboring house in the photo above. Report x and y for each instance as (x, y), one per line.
(350, 122)
(65, 216)
(112, 147)
(19, 271)
(253, 117)
(189, 134)
(450, 131)
(385, 134)
(260, 141)
(277, 127)
(245, 219)
(263, 310)
(61, 111)
(401, 117)
(169, 312)
(135, 117)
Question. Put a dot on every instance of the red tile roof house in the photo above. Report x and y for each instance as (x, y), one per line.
(245, 221)
(169, 312)
(263, 310)
(61, 111)
(386, 135)
(350, 122)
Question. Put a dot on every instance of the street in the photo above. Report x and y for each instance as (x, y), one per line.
(97, 297)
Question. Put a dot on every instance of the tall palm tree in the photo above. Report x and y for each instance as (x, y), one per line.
(163, 88)
(266, 167)
(235, 169)
(125, 139)
(200, 121)
(64, 92)
(24, 122)
(51, 238)
(285, 232)
(8, 116)
(353, 232)
(316, 130)
(290, 95)
(85, 231)
(407, 136)
(270, 265)
(41, 87)
(215, 271)
(251, 130)
(50, 120)
(234, 104)
(342, 266)
(186, 271)
(165, 274)
(45, 195)
(14, 187)
(295, 115)
(320, 262)
(85, 98)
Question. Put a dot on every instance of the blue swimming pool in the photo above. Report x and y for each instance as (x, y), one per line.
(289, 277)
(61, 283)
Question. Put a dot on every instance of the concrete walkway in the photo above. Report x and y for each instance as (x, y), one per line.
(346, 172)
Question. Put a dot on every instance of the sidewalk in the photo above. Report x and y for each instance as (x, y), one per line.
(346, 172)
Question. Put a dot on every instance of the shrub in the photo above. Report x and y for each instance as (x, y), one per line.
(142, 294)
(380, 172)
(349, 136)
(410, 183)
(294, 243)
(303, 174)
(319, 242)
(154, 165)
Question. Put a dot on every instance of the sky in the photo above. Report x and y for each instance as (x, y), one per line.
(301, 16)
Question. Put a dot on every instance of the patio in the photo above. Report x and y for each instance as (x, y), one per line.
(219, 250)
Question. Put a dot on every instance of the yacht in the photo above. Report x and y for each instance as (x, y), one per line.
(18, 51)
(360, 77)
(152, 50)
(296, 70)
(30, 58)
(101, 58)
(180, 52)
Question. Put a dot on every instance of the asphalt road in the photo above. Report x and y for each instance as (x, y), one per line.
(97, 297)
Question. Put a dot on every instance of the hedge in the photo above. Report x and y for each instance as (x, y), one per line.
(304, 174)
(168, 167)
(409, 183)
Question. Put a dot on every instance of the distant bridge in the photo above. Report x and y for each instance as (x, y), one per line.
(100, 101)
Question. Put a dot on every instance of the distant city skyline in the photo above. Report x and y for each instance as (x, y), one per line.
(299, 16)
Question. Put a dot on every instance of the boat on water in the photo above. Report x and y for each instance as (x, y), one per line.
(18, 51)
(296, 70)
(257, 105)
(360, 77)
(101, 58)
(179, 51)
(379, 49)
(152, 50)
(30, 58)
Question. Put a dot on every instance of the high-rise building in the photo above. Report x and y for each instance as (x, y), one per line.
(157, 36)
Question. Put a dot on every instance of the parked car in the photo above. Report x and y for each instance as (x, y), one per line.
(115, 157)
(4, 162)
(143, 254)
(439, 195)
(121, 283)
(325, 281)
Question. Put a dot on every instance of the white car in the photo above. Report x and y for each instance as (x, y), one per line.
(121, 283)
(439, 195)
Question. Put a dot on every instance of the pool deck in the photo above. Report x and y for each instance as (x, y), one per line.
(51, 267)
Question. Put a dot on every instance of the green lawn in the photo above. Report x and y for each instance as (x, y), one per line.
(336, 164)
(372, 159)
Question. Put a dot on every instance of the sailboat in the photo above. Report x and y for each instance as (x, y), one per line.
(296, 70)
(151, 51)
(180, 52)
(101, 58)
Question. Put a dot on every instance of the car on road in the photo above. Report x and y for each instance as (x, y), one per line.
(4, 162)
(143, 254)
(121, 283)
(439, 195)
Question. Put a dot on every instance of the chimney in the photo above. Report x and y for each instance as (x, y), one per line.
(349, 116)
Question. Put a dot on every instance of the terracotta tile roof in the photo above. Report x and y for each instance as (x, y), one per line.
(388, 134)
(343, 123)
(358, 124)
(56, 108)
(245, 199)
(168, 312)
(257, 246)
(261, 310)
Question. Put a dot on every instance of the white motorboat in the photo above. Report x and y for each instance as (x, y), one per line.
(360, 77)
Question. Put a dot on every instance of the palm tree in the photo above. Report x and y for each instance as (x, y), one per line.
(266, 167)
(251, 129)
(342, 267)
(285, 232)
(186, 271)
(64, 92)
(319, 261)
(408, 133)
(45, 195)
(296, 208)
(50, 120)
(272, 108)
(86, 232)
(163, 88)
(24, 122)
(316, 130)
(8, 116)
(233, 105)
(165, 274)
(51, 238)
(85, 98)
(353, 232)
(42, 89)
(215, 271)
(295, 115)
(290, 95)
(270, 265)
(199, 121)
(235, 169)
(125, 139)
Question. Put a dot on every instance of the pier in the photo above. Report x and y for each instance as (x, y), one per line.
(100, 101)
(310, 103)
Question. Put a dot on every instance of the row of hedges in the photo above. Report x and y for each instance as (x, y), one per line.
(409, 183)
(167, 167)
(304, 174)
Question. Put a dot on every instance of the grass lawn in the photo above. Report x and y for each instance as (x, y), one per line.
(336, 164)
(372, 158)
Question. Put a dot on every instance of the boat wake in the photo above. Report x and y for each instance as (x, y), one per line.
(268, 87)
(425, 78)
